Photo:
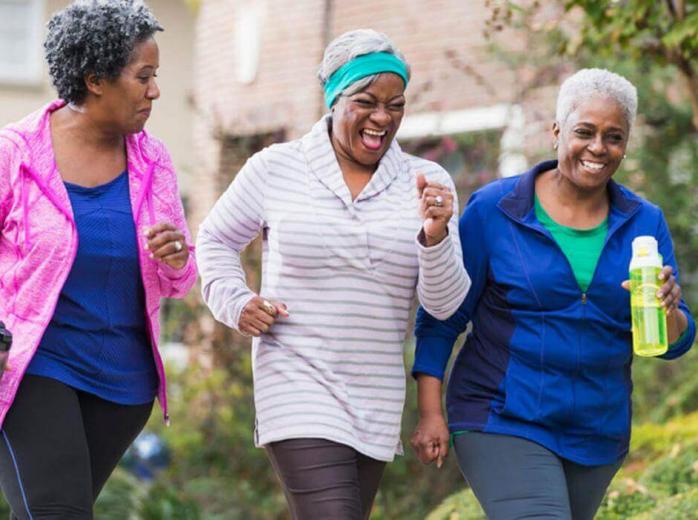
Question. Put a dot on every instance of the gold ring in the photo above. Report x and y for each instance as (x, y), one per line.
(438, 201)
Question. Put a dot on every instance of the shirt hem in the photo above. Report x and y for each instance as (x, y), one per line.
(584, 461)
(82, 387)
(358, 446)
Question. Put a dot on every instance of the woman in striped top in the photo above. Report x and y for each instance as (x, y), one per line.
(353, 227)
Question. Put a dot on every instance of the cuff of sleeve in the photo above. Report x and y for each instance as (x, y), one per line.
(238, 308)
(176, 274)
(433, 252)
(431, 355)
(684, 343)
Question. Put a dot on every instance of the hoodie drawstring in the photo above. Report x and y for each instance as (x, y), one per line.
(146, 195)
(39, 180)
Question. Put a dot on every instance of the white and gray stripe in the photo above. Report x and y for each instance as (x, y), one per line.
(348, 271)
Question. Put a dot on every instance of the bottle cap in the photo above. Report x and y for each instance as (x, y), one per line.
(645, 246)
(5, 338)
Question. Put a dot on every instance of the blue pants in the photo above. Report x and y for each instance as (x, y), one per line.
(515, 479)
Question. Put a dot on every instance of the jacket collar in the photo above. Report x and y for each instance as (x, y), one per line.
(322, 161)
(518, 203)
(35, 134)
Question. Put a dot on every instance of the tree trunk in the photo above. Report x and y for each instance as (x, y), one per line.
(688, 76)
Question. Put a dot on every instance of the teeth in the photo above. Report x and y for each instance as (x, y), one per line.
(374, 132)
(593, 165)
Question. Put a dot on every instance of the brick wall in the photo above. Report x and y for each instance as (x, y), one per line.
(452, 69)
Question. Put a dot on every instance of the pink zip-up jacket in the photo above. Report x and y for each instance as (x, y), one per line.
(39, 240)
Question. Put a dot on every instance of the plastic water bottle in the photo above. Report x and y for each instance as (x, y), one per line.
(648, 315)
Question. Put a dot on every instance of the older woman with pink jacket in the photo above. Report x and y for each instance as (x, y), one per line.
(92, 236)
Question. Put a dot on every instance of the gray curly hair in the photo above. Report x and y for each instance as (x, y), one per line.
(588, 82)
(348, 46)
(94, 37)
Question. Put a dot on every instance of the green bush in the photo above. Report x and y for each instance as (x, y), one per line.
(120, 498)
(621, 504)
(678, 507)
(675, 473)
(461, 506)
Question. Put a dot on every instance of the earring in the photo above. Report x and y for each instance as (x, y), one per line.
(555, 145)
(624, 156)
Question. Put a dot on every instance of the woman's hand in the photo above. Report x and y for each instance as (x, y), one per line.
(436, 208)
(259, 315)
(430, 439)
(669, 293)
(167, 245)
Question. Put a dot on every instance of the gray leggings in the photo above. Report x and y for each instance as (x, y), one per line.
(514, 478)
(325, 479)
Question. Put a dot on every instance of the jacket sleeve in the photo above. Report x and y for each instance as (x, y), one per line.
(176, 283)
(435, 338)
(443, 280)
(666, 249)
(235, 220)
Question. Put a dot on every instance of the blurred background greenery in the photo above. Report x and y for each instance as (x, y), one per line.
(216, 473)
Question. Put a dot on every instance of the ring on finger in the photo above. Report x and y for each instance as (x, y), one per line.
(438, 201)
(269, 308)
(178, 246)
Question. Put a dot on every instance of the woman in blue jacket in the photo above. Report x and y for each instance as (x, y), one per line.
(539, 397)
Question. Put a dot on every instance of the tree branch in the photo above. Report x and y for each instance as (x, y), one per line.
(677, 9)
(670, 6)
(688, 75)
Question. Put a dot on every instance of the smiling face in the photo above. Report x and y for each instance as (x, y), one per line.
(364, 124)
(592, 142)
(127, 100)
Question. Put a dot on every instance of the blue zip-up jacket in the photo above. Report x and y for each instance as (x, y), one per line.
(544, 360)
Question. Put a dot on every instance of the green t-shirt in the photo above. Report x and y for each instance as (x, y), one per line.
(582, 247)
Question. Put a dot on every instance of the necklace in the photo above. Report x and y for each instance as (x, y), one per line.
(75, 108)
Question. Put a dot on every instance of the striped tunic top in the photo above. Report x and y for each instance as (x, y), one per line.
(348, 271)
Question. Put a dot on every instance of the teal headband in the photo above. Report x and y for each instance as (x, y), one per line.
(360, 67)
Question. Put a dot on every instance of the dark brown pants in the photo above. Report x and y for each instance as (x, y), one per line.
(325, 479)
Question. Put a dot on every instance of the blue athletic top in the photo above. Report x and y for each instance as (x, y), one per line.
(97, 340)
(545, 360)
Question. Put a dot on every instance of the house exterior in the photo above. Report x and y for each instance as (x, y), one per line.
(255, 83)
(25, 86)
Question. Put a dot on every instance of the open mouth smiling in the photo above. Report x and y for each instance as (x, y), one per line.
(373, 139)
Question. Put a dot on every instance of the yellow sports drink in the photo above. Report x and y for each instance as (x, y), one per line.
(648, 315)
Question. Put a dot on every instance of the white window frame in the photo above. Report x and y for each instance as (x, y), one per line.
(509, 118)
(248, 40)
(30, 69)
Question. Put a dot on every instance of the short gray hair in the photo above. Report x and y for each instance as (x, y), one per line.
(589, 82)
(94, 37)
(348, 46)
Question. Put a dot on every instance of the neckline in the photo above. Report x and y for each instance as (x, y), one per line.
(545, 218)
(92, 189)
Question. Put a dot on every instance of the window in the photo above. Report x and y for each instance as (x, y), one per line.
(475, 145)
(248, 36)
(21, 31)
